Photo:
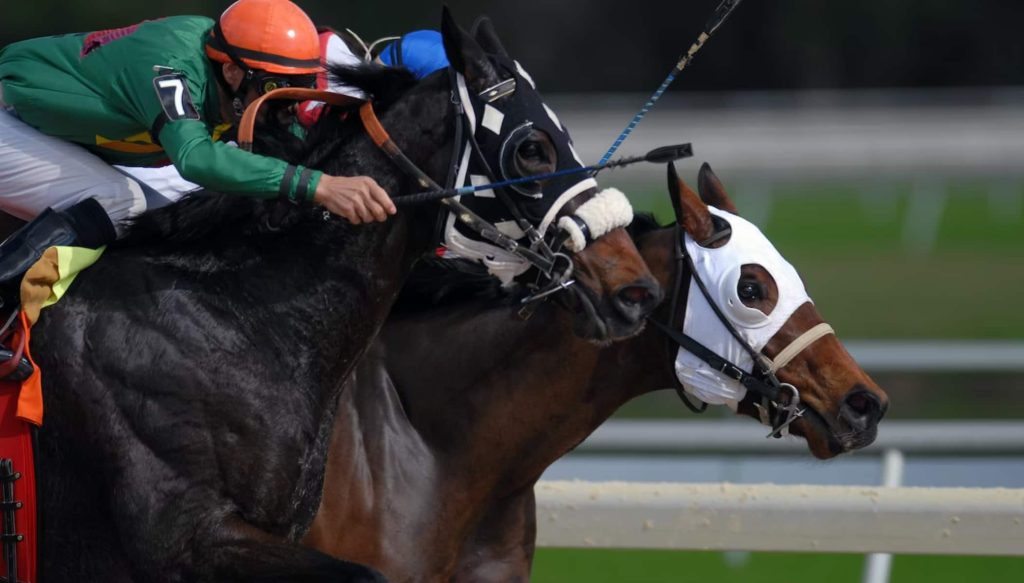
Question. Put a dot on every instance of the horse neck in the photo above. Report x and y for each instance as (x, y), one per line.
(505, 397)
(422, 125)
(373, 259)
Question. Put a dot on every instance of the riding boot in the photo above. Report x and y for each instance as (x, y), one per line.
(85, 223)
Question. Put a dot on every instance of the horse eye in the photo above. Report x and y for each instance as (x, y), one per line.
(530, 149)
(750, 290)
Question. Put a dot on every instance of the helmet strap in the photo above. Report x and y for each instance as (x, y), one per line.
(220, 42)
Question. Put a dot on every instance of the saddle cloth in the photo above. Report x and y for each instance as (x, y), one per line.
(21, 410)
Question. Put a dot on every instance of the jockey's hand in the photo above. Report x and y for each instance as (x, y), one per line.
(357, 198)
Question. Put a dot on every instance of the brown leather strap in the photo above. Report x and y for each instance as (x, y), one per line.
(247, 127)
(373, 127)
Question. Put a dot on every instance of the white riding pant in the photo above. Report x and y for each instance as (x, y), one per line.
(38, 171)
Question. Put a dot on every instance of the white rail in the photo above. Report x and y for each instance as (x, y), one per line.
(938, 355)
(961, 521)
(743, 436)
(830, 134)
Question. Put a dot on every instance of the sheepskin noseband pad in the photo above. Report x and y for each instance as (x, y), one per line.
(607, 211)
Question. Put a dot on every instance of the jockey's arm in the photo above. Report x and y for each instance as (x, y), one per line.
(219, 166)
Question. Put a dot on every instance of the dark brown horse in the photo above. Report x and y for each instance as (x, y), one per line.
(191, 376)
(459, 408)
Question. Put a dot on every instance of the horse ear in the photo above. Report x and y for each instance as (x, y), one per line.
(487, 36)
(465, 55)
(712, 191)
(691, 212)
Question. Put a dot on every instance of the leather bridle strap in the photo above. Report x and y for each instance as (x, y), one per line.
(749, 381)
(246, 128)
(464, 214)
(677, 312)
(797, 346)
(382, 140)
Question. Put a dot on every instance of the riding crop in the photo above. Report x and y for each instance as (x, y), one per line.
(662, 155)
(717, 18)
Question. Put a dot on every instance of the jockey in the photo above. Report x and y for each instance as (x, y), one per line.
(421, 52)
(157, 92)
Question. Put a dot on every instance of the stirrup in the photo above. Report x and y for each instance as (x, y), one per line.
(20, 370)
(14, 365)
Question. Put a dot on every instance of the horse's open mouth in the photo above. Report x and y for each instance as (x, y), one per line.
(824, 440)
(820, 437)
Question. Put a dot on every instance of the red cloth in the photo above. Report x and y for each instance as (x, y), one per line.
(309, 111)
(21, 406)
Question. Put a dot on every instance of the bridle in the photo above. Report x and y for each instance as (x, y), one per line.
(779, 404)
(543, 253)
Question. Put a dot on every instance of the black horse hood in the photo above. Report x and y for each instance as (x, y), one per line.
(500, 118)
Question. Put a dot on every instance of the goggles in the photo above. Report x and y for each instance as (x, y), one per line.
(267, 83)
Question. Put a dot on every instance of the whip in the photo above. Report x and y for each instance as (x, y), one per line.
(662, 155)
(717, 18)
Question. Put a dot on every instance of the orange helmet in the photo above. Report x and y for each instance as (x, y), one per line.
(269, 35)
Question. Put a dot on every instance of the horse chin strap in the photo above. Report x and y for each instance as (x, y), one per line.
(779, 405)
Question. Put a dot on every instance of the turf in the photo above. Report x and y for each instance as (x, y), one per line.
(622, 566)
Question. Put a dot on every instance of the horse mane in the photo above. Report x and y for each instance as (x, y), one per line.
(436, 282)
(203, 214)
(642, 224)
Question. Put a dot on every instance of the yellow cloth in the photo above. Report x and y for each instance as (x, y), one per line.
(43, 285)
(49, 279)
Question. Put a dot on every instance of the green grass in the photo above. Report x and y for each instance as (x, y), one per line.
(849, 247)
(622, 566)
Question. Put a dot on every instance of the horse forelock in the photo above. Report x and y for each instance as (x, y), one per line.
(642, 224)
(382, 83)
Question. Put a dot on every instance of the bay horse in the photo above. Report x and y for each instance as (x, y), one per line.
(191, 376)
(461, 406)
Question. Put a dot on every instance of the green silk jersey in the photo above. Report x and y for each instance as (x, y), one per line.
(109, 90)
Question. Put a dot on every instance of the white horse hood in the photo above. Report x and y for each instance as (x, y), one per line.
(719, 269)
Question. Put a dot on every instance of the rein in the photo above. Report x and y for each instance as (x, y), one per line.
(780, 402)
(714, 22)
(660, 155)
(545, 261)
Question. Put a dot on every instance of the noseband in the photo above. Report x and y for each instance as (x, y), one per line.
(780, 402)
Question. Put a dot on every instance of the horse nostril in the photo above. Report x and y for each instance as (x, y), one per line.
(861, 409)
(636, 300)
(635, 294)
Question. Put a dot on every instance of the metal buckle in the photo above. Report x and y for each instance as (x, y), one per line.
(780, 417)
(549, 291)
(731, 371)
(496, 92)
(791, 410)
(559, 281)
